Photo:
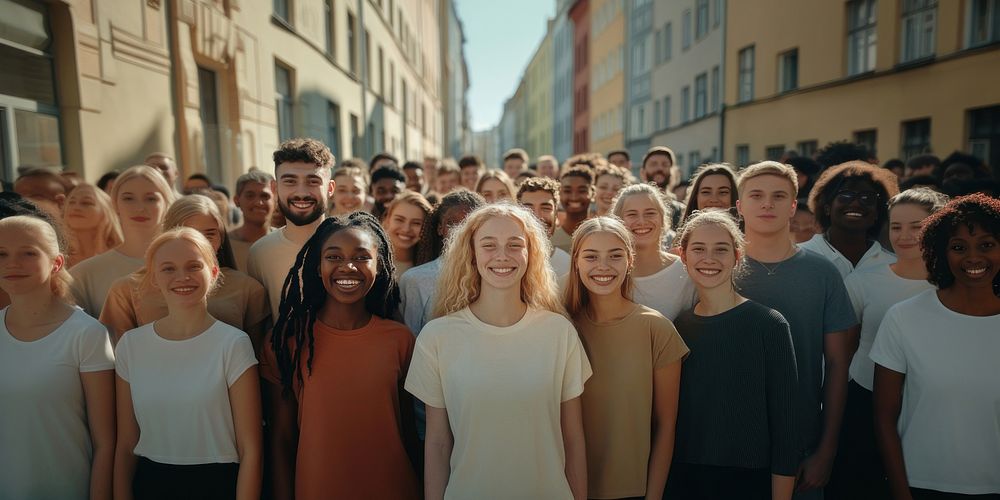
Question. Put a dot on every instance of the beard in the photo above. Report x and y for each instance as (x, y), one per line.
(662, 180)
(319, 208)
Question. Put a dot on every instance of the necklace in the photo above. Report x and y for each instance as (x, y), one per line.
(784, 258)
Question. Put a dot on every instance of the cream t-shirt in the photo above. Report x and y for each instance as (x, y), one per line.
(271, 257)
(93, 278)
(502, 388)
(669, 290)
(180, 392)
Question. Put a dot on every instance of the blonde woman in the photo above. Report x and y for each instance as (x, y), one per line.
(495, 185)
(91, 224)
(57, 420)
(404, 219)
(350, 193)
(501, 369)
(636, 355)
(660, 279)
(140, 198)
(239, 300)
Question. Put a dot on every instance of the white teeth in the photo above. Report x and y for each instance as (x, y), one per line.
(853, 214)
(642, 231)
(603, 279)
(302, 204)
(502, 270)
(348, 282)
(184, 289)
(976, 271)
(709, 272)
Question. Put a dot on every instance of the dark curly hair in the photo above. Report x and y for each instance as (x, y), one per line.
(831, 180)
(431, 244)
(303, 293)
(972, 210)
(839, 152)
(303, 150)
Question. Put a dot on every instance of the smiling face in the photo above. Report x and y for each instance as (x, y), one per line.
(303, 191)
(446, 182)
(543, 205)
(855, 206)
(403, 225)
(25, 264)
(767, 203)
(387, 189)
(513, 166)
(501, 252)
(494, 190)
(603, 262)
(715, 191)
(548, 168)
(415, 179)
(82, 212)
(710, 256)
(973, 257)
(905, 222)
(349, 265)
(657, 170)
(607, 187)
(470, 177)
(256, 201)
(140, 205)
(642, 216)
(349, 195)
(182, 273)
(451, 218)
(575, 194)
(208, 227)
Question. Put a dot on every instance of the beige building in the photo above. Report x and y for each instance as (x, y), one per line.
(607, 75)
(217, 83)
(538, 85)
(903, 78)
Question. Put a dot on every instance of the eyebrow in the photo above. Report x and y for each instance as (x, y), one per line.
(616, 249)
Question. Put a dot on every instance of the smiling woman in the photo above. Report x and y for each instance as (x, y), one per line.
(403, 222)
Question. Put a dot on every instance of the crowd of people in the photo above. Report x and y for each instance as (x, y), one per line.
(438, 329)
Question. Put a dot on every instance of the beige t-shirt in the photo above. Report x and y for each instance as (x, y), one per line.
(93, 278)
(271, 257)
(240, 301)
(618, 402)
(502, 387)
(241, 251)
(562, 240)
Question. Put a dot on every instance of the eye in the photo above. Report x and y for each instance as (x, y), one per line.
(332, 257)
(957, 247)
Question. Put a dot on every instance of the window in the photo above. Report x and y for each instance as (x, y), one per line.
(658, 46)
(774, 153)
(686, 30)
(352, 45)
(984, 134)
(333, 128)
(666, 112)
(656, 115)
(917, 29)
(368, 61)
(861, 36)
(701, 19)
(392, 83)
(329, 20)
(208, 110)
(355, 137)
(284, 101)
(668, 41)
(788, 71)
(807, 148)
(700, 96)
(717, 15)
(381, 73)
(867, 138)
(745, 82)
(742, 155)
(641, 120)
(715, 89)
(984, 22)
(694, 159)
(685, 104)
(282, 10)
(916, 138)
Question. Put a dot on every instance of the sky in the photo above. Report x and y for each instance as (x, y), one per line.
(500, 38)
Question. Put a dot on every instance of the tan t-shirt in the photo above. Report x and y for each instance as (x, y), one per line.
(502, 387)
(241, 251)
(562, 240)
(93, 278)
(618, 402)
(240, 301)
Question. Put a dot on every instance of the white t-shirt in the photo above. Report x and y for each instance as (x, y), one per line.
(180, 392)
(669, 291)
(873, 291)
(271, 257)
(502, 387)
(417, 290)
(93, 277)
(950, 418)
(875, 256)
(559, 261)
(45, 448)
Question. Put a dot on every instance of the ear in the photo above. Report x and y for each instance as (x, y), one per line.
(274, 186)
(739, 208)
(215, 272)
(60, 200)
(331, 187)
(58, 263)
(236, 200)
(684, 257)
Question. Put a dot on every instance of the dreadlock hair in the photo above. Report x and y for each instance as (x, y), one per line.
(973, 210)
(431, 243)
(303, 293)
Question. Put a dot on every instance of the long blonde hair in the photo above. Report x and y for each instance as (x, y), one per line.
(109, 232)
(59, 281)
(460, 284)
(150, 174)
(198, 204)
(577, 297)
(651, 192)
(191, 236)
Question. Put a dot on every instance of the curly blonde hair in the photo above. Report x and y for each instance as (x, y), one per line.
(576, 297)
(460, 284)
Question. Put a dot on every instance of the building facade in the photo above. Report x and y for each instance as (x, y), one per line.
(607, 75)
(638, 81)
(903, 78)
(455, 84)
(687, 77)
(562, 82)
(538, 88)
(579, 14)
(218, 83)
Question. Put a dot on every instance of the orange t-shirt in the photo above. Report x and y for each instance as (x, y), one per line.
(350, 431)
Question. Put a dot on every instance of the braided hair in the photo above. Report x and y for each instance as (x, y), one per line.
(303, 293)
(431, 243)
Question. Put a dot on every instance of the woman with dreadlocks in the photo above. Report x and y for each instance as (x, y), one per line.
(336, 365)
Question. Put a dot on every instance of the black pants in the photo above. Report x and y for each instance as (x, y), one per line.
(921, 494)
(710, 482)
(858, 473)
(156, 481)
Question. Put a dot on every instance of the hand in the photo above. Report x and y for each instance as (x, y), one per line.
(814, 472)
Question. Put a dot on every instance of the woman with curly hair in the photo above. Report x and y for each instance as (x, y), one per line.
(851, 203)
(501, 369)
(339, 420)
(936, 383)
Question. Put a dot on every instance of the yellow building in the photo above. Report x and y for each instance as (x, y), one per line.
(607, 75)
(216, 83)
(902, 77)
(538, 84)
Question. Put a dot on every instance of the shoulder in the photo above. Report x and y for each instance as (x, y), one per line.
(86, 326)
(653, 318)
(391, 327)
(238, 278)
(136, 335)
(814, 244)
(91, 265)
(755, 311)
(267, 242)
(915, 307)
(420, 272)
(817, 264)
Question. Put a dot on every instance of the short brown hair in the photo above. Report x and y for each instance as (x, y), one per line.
(303, 150)
(470, 161)
(516, 153)
(769, 168)
(534, 184)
